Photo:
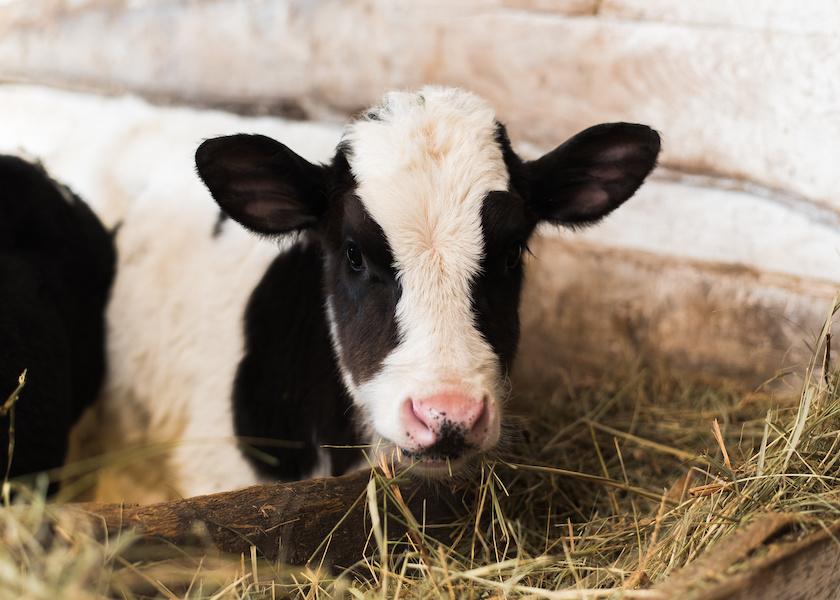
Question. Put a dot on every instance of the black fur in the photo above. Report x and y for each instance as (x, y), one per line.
(56, 268)
(288, 388)
(261, 183)
(219, 225)
(364, 301)
(507, 222)
(592, 173)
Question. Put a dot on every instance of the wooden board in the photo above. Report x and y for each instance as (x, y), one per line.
(760, 563)
(587, 307)
(324, 521)
(318, 520)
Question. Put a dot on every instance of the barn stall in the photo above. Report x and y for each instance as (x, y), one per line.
(721, 272)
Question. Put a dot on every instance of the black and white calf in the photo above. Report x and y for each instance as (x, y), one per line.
(56, 267)
(390, 314)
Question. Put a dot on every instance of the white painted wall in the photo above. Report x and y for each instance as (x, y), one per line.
(745, 94)
(112, 149)
(745, 90)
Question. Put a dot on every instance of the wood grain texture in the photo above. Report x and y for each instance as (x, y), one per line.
(759, 563)
(748, 106)
(679, 219)
(324, 522)
(565, 7)
(807, 570)
(317, 520)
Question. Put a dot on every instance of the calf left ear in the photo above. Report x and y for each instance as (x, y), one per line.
(592, 173)
(261, 183)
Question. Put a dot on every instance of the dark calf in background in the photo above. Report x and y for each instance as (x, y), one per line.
(57, 263)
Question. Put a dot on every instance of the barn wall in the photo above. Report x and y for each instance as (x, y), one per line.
(742, 92)
(745, 94)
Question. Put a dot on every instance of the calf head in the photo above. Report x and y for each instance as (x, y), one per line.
(423, 217)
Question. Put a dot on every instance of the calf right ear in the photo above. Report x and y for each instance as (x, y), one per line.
(261, 183)
(593, 173)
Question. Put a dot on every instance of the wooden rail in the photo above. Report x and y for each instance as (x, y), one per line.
(318, 519)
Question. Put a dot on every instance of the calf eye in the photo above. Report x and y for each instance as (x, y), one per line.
(354, 257)
(513, 256)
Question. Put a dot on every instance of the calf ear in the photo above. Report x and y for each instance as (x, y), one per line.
(261, 183)
(592, 173)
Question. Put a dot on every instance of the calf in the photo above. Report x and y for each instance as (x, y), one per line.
(390, 314)
(56, 267)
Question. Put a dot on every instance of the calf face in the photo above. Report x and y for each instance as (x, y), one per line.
(423, 217)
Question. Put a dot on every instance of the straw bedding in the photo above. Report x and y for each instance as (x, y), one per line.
(607, 488)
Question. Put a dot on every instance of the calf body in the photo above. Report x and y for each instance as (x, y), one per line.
(56, 267)
(389, 315)
(214, 335)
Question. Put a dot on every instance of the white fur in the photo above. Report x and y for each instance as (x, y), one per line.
(423, 167)
(346, 375)
(175, 333)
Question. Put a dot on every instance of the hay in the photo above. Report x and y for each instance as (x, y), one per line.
(610, 488)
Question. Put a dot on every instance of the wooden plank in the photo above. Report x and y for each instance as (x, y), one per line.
(804, 571)
(325, 520)
(682, 220)
(815, 16)
(760, 563)
(588, 307)
(565, 7)
(316, 519)
(747, 106)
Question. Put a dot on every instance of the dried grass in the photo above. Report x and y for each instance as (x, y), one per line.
(613, 487)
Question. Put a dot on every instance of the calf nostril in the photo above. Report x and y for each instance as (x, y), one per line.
(481, 426)
(418, 430)
(477, 418)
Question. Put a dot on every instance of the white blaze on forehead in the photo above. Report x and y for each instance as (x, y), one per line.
(423, 166)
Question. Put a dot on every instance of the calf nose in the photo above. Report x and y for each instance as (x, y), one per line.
(456, 409)
(430, 421)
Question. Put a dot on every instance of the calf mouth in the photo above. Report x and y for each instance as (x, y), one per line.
(435, 467)
(448, 454)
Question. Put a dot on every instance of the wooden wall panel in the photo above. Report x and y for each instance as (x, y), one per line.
(731, 97)
(587, 307)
